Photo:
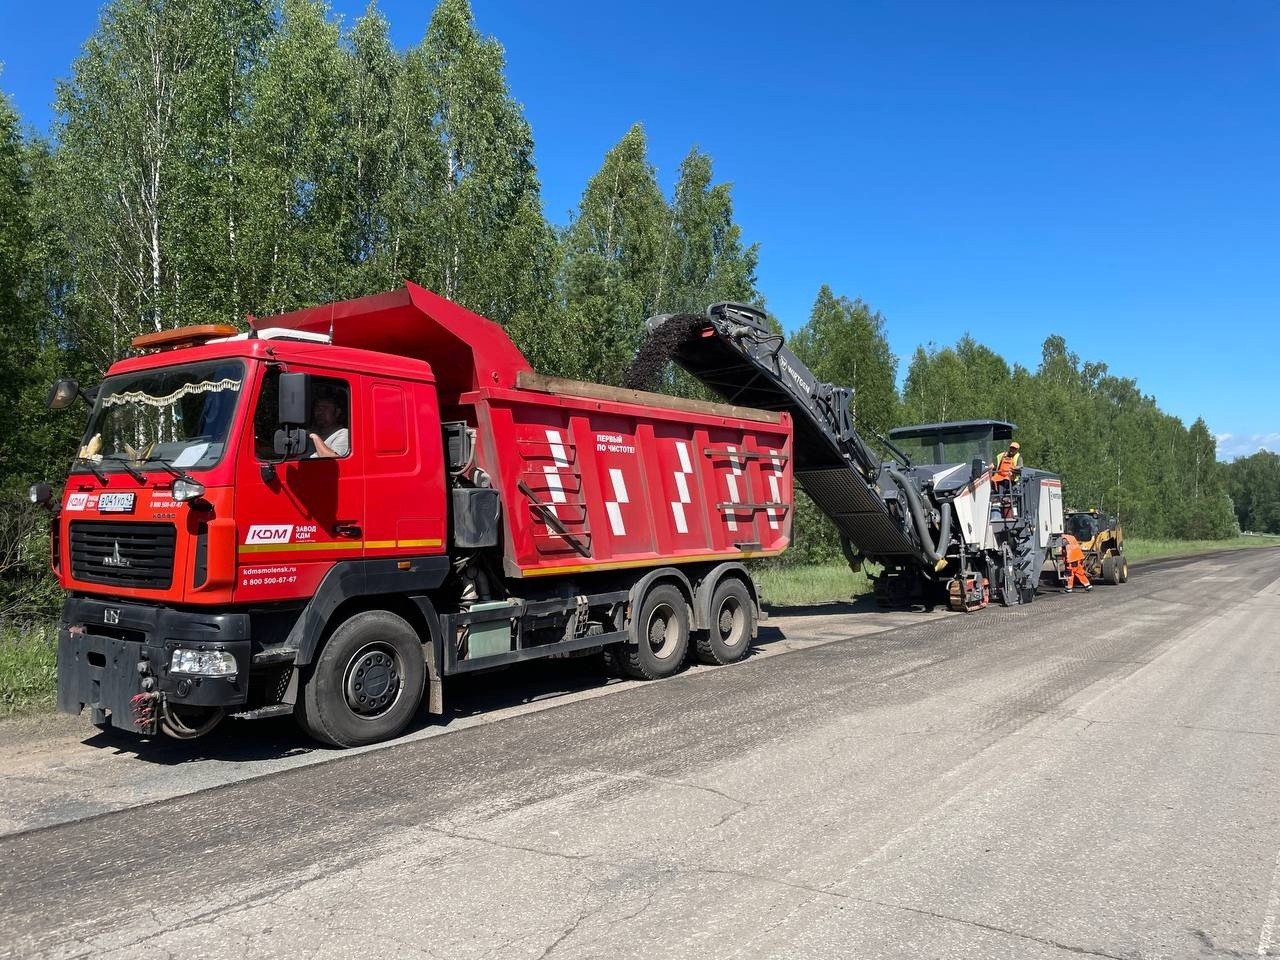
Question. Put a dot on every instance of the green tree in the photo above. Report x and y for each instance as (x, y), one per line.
(209, 206)
(18, 311)
(294, 237)
(613, 255)
(1253, 484)
(33, 441)
(702, 258)
(844, 343)
(490, 247)
(370, 158)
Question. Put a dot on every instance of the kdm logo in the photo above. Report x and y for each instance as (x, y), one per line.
(269, 533)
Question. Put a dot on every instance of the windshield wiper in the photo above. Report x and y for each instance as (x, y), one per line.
(123, 460)
(96, 470)
(164, 463)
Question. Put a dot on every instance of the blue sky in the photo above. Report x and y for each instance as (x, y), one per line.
(1109, 172)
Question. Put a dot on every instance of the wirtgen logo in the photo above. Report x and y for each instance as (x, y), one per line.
(269, 533)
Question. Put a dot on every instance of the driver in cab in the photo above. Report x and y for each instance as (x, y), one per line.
(330, 437)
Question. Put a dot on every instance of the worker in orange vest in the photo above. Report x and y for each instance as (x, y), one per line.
(1008, 468)
(1075, 562)
(1008, 465)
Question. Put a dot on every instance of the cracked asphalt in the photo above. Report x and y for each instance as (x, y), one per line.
(1093, 775)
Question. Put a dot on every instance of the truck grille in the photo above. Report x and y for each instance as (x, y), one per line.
(123, 554)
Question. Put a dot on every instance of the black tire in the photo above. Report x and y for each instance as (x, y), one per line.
(732, 617)
(661, 634)
(367, 683)
(1111, 570)
(1124, 569)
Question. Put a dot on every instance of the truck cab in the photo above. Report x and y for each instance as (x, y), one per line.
(188, 541)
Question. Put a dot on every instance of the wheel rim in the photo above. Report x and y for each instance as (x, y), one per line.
(731, 622)
(663, 632)
(372, 680)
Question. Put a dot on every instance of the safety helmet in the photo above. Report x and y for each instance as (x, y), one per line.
(1015, 445)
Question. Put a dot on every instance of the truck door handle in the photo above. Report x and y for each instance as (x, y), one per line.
(346, 530)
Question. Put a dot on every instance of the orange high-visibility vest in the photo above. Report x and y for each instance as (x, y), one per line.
(1005, 465)
(1074, 553)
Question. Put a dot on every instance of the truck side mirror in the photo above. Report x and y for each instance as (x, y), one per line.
(63, 393)
(291, 442)
(294, 401)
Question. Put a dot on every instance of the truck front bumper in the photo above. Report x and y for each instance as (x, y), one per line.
(110, 654)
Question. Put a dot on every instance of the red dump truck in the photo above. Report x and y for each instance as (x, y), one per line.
(330, 514)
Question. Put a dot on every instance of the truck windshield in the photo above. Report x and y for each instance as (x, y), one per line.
(179, 415)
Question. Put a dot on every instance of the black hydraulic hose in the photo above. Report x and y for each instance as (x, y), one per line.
(932, 552)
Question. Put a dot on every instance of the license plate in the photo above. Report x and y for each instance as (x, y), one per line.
(115, 502)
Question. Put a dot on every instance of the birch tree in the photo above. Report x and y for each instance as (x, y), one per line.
(703, 259)
(295, 238)
(470, 156)
(613, 255)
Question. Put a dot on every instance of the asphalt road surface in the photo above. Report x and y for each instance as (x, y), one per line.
(1093, 775)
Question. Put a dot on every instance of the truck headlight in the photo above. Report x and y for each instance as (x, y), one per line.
(203, 663)
(184, 488)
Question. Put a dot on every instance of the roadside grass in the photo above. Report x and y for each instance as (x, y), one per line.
(810, 583)
(28, 668)
(1137, 549)
(827, 582)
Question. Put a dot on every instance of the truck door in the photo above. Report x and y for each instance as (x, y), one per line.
(295, 519)
(404, 469)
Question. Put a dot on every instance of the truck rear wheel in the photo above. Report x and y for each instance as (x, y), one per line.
(661, 632)
(367, 683)
(732, 623)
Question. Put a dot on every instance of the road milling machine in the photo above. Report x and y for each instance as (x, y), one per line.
(929, 517)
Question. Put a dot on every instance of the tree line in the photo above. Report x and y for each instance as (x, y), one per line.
(216, 158)
(1254, 486)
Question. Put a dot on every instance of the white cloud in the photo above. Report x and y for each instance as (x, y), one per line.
(1232, 445)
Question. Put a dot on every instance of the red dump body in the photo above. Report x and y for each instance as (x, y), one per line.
(590, 477)
(631, 483)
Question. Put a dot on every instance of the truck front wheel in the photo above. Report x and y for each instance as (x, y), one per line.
(661, 634)
(367, 683)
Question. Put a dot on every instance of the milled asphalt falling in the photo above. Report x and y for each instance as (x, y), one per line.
(1092, 775)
